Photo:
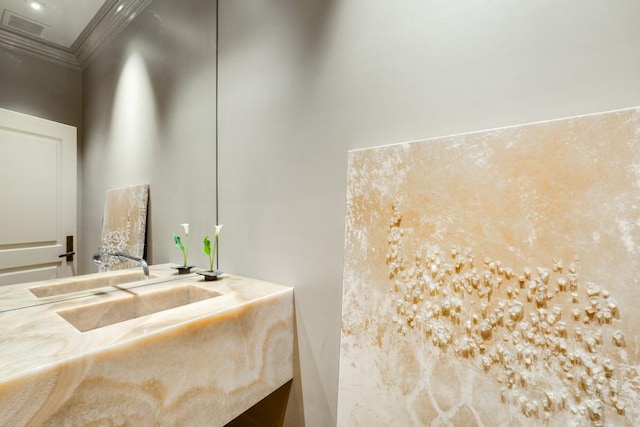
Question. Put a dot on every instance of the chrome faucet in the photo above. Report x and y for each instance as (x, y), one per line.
(98, 259)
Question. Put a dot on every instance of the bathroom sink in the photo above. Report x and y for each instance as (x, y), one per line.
(87, 283)
(97, 315)
(108, 356)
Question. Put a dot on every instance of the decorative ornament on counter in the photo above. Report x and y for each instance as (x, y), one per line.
(211, 274)
(184, 268)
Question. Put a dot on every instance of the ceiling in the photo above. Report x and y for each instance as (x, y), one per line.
(70, 32)
(59, 22)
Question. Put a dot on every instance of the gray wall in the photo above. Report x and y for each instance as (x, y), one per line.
(300, 83)
(39, 88)
(149, 115)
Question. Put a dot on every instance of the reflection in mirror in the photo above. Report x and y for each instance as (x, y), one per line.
(145, 111)
(69, 32)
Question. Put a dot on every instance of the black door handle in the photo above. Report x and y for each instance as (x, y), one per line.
(70, 253)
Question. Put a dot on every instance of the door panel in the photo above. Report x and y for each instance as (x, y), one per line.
(38, 197)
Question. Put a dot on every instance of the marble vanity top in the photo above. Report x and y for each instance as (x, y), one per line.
(25, 295)
(201, 350)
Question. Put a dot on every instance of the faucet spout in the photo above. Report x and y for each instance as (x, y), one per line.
(99, 256)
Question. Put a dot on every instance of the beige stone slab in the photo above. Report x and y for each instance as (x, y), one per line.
(492, 278)
(124, 225)
(201, 363)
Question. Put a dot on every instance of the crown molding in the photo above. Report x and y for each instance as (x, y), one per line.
(41, 50)
(99, 34)
(102, 29)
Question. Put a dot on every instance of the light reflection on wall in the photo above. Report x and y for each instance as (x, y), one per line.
(134, 124)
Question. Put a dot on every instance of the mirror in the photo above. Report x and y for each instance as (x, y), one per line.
(69, 32)
(145, 112)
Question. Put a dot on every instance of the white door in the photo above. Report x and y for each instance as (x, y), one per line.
(37, 198)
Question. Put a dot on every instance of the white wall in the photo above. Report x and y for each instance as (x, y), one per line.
(149, 115)
(301, 83)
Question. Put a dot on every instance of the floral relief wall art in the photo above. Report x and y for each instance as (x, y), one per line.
(491, 278)
(124, 226)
